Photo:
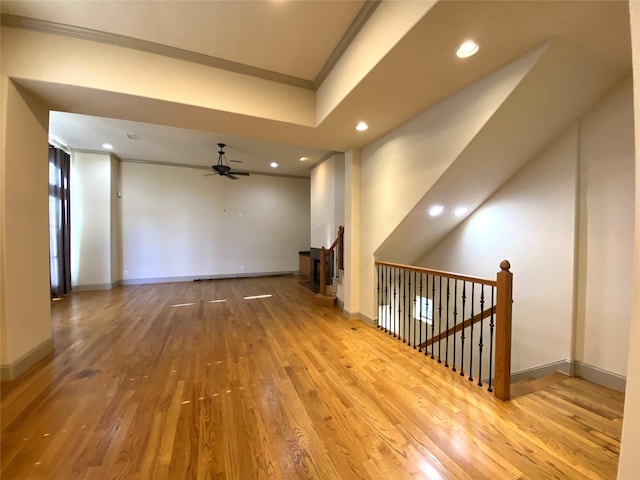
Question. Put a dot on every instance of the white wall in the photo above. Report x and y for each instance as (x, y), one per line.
(530, 222)
(629, 466)
(327, 201)
(91, 223)
(25, 323)
(400, 167)
(352, 212)
(116, 221)
(533, 222)
(606, 208)
(180, 223)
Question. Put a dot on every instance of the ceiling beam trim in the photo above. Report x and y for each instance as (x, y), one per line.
(352, 32)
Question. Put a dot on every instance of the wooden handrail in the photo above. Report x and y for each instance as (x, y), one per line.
(461, 326)
(339, 244)
(456, 276)
(500, 311)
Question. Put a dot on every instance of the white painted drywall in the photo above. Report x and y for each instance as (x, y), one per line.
(399, 168)
(327, 201)
(351, 279)
(91, 232)
(629, 466)
(531, 221)
(179, 222)
(606, 208)
(382, 31)
(25, 322)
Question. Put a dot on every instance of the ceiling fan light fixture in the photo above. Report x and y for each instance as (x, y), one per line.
(222, 167)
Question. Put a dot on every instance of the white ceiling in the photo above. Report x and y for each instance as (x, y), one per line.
(290, 37)
(294, 42)
(171, 145)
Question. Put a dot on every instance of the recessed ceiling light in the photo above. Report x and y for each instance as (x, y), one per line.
(436, 210)
(467, 49)
(302, 159)
(361, 126)
(107, 146)
(458, 212)
(274, 165)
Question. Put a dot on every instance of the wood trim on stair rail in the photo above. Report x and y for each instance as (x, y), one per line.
(324, 252)
(456, 276)
(502, 309)
(504, 303)
(461, 326)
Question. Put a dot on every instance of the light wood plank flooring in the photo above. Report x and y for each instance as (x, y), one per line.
(170, 382)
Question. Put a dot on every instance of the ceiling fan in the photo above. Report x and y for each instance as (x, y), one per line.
(222, 168)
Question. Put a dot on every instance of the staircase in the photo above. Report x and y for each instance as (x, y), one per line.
(327, 295)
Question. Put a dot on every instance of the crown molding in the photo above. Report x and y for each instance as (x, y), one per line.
(27, 23)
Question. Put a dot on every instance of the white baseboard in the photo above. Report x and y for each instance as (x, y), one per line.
(359, 316)
(574, 369)
(601, 377)
(15, 369)
(188, 278)
(95, 286)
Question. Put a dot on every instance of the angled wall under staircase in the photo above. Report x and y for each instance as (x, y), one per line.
(464, 150)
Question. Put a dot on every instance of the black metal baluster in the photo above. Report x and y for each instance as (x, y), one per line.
(426, 314)
(433, 316)
(420, 316)
(387, 298)
(480, 344)
(389, 319)
(409, 311)
(399, 281)
(464, 301)
(379, 297)
(455, 321)
(473, 289)
(413, 317)
(404, 306)
(384, 296)
(394, 302)
(439, 319)
(491, 325)
(446, 345)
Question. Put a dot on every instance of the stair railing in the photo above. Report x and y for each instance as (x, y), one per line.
(444, 315)
(337, 245)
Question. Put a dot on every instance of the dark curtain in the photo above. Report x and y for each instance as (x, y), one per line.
(59, 222)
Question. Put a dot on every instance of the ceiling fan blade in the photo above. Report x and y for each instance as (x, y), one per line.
(246, 174)
(231, 176)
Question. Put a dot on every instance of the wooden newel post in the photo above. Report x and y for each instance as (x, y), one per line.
(323, 271)
(504, 301)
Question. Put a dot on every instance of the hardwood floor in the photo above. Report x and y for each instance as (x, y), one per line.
(169, 382)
